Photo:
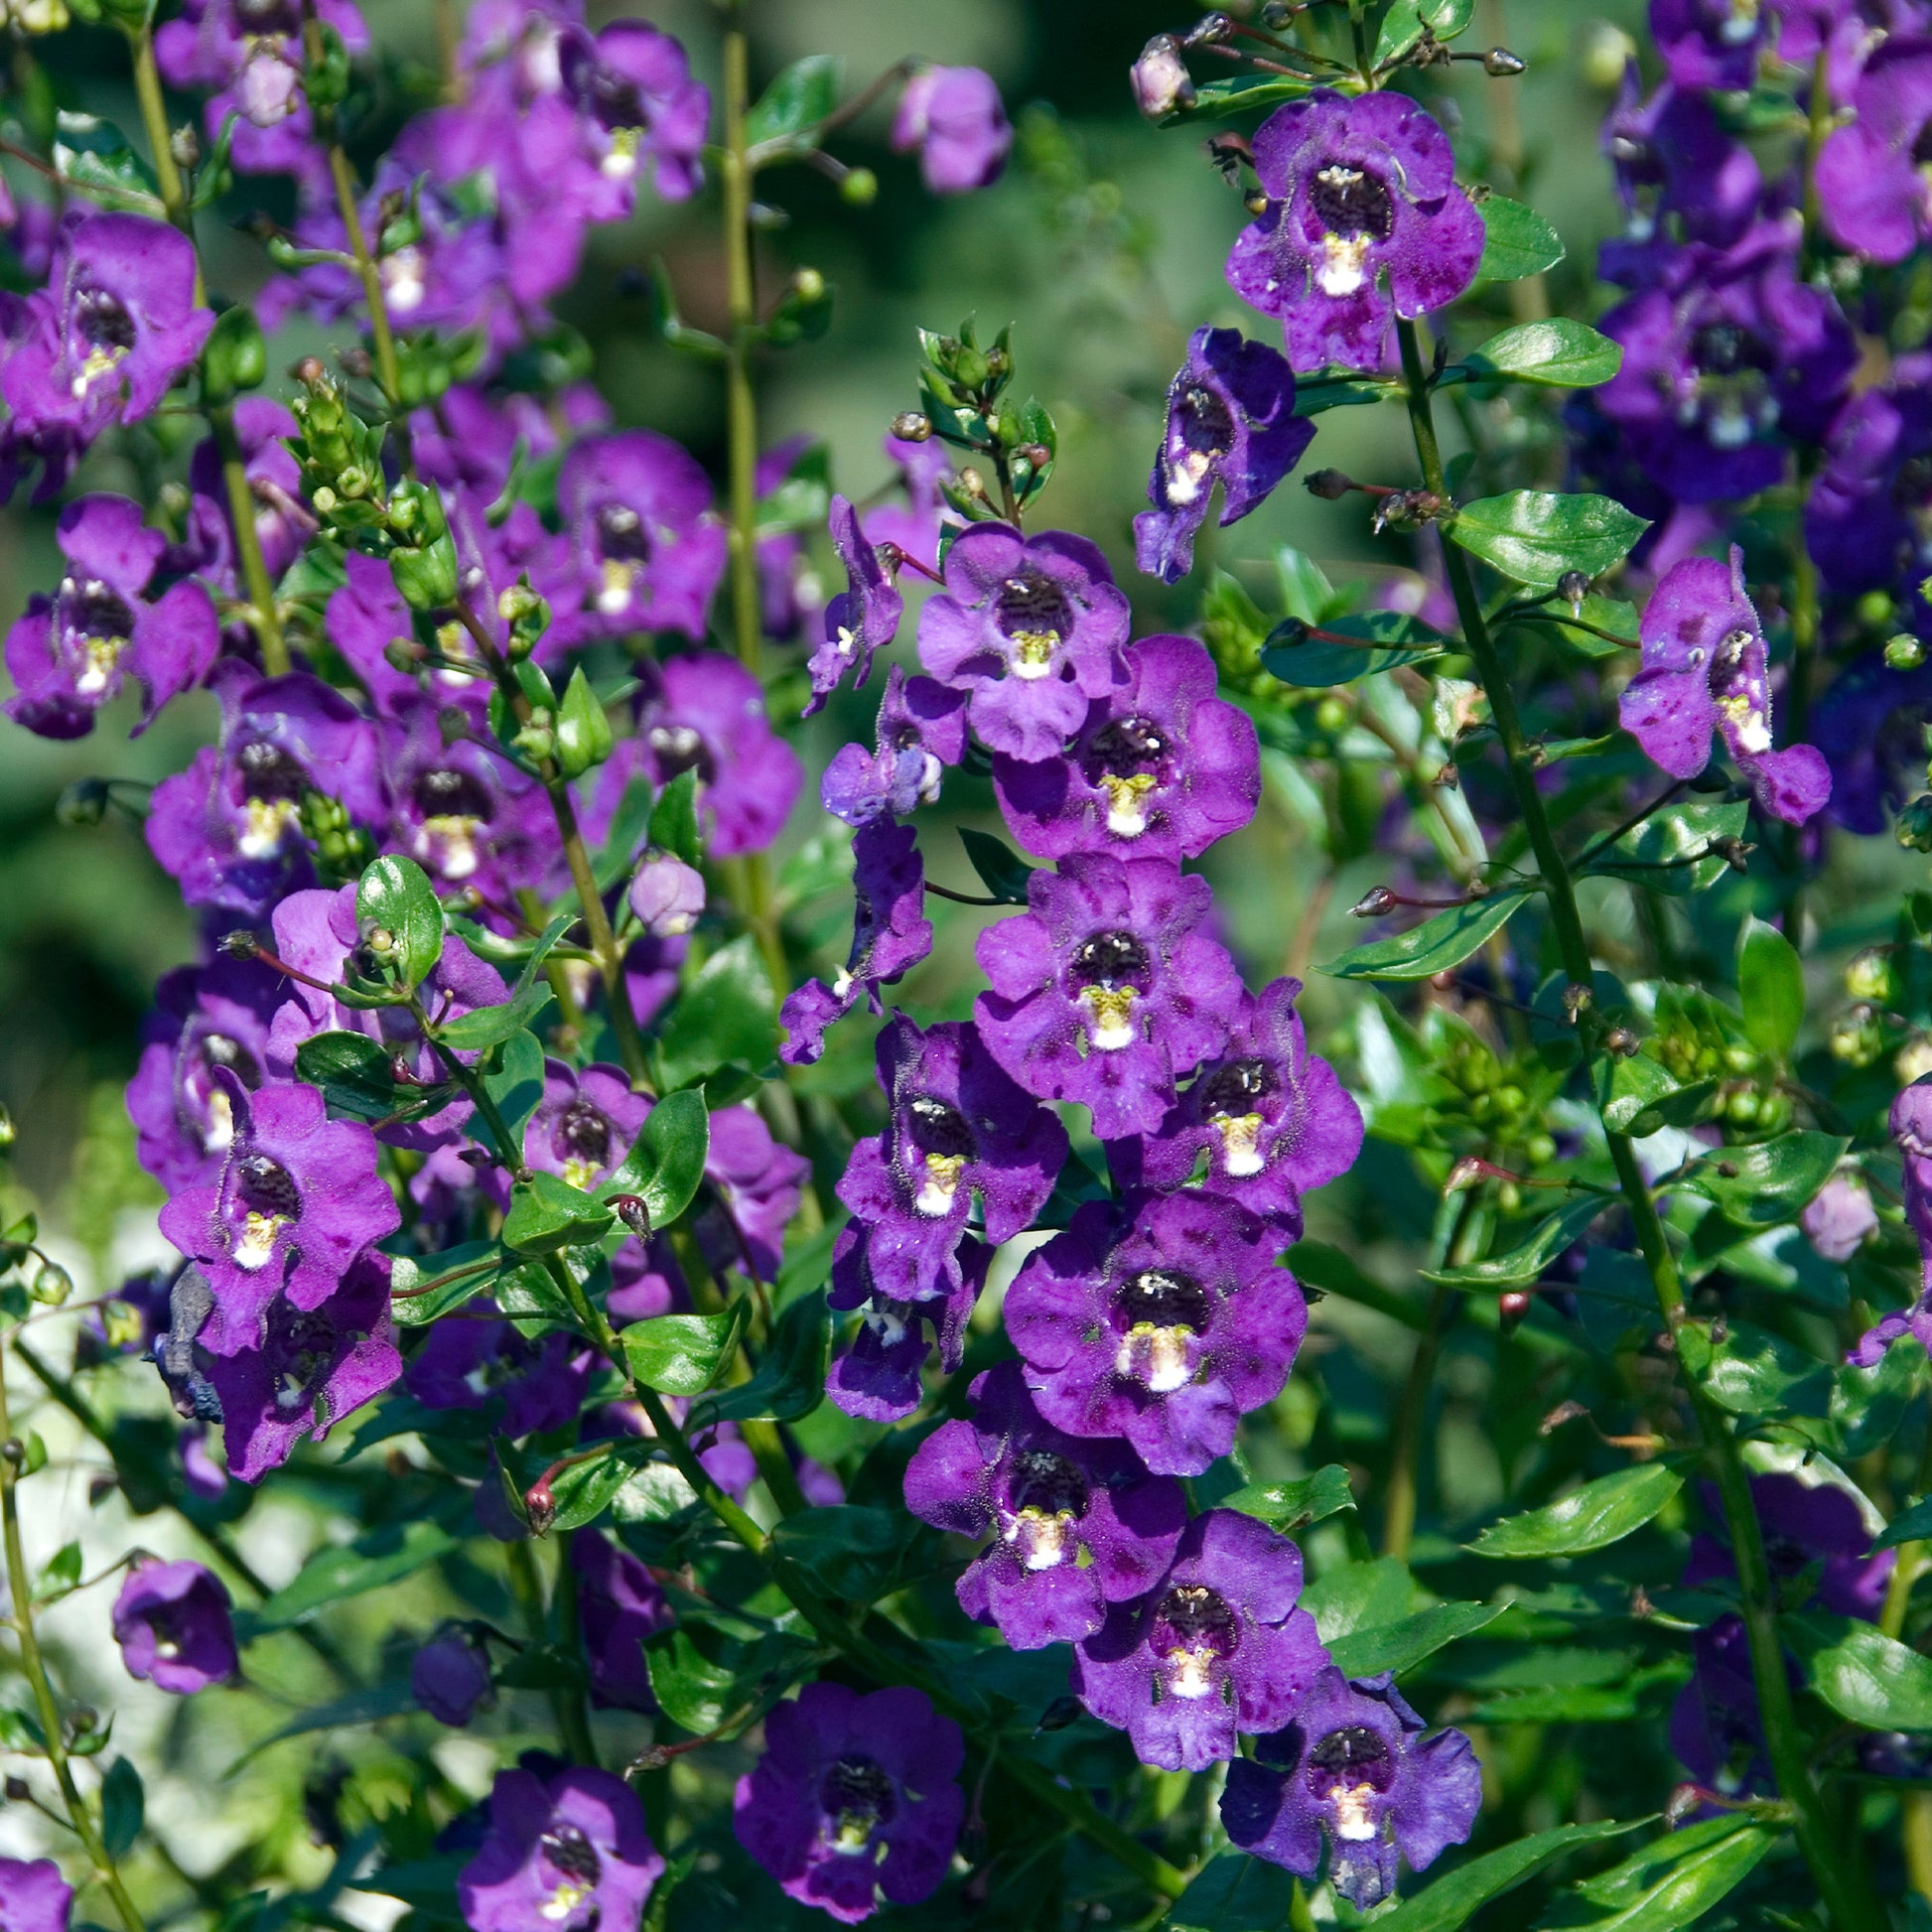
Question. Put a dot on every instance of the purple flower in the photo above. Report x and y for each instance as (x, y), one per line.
(467, 437)
(314, 1367)
(789, 591)
(1713, 44)
(229, 829)
(1358, 191)
(570, 1854)
(171, 1621)
(1840, 1218)
(667, 896)
(584, 1125)
(651, 970)
(473, 1356)
(1104, 992)
(921, 730)
(1911, 1129)
(953, 117)
(1077, 1525)
(364, 618)
(1216, 1646)
(1816, 1547)
(863, 618)
(1866, 522)
(1160, 769)
(638, 105)
(1230, 415)
(1870, 729)
(854, 1796)
(1353, 1768)
(205, 1017)
(890, 934)
(757, 1183)
(1872, 185)
(621, 1606)
(299, 1199)
(1705, 668)
(878, 1377)
(450, 1677)
(34, 1897)
(1716, 1729)
(1031, 628)
(1725, 357)
(70, 653)
(283, 521)
(637, 509)
(1163, 1320)
(914, 527)
(1272, 1120)
(958, 1127)
(103, 343)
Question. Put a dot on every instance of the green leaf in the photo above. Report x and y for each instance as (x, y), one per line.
(1317, 664)
(60, 1576)
(517, 1088)
(413, 1309)
(375, 1560)
(1861, 1673)
(394, 897)
(1516, 241)
(1911, 1525)
(800, 99)
(1761, 1185)
(1001, 869)
(586, 1489)
(1525, 1262)
(727, 1012)
(365, 1707)
(123, 1808)
(683, 1355)
(1771, 987)
(1671, 850)
(547, 1214)
(1315, 1263)
(1638, 1095)
(1452, 1901)
(674, 820)
(790, 1379)
(490, 1025)
(1591, 1518)
(93, 157)
(1290, 1506)
(1536, 535)
(1433, 947)
(1403, 24)
(1233, 1892)
(1403, 1644)
(1562, 353)
(1753, 1372)
(666, 1160)
(356, 1080)
(629, 828)
(1670, 1883)
(854, 1553)
(1352, 1597)
(583, 729)
(1240, 92)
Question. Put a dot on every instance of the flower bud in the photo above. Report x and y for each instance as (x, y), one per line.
(1913, 1060)
(1573, 587)
(1161, 84)
(416, 512)
(1904, 653)
(540, 1505)
(1210, 30)
(667, 896)
(910, 427)
(858, 188)
(51, 1286)
(1331, 485)
(85, 802)
(1868, 976)
(404, 654)
(240, 943)
(1377, 900)
(236, 356)
(1512, 1308)
(9, 1132)
(1502, 64)
(1622, 1042)
(632, 1212)
(18, 1791)
(1857, 1038)
(426, 578)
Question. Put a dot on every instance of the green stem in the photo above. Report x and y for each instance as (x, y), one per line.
(262, 614)
(36, 1669)
(735, 168)
(508, 1149)
(574, 1713)
(154, 119)
(1846, 1893)
(573, 1721)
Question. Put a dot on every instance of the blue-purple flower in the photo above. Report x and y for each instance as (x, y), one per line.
(619, 1606)
(1355, 1771)
(667, 896)
(1868, 518)
(474, 1358)
(1364, 222)
(953, 117)
(1230, 418)
(36, 1898)
(878, 1377)
(855, 1796)
(569, 1853)
(921, 729)
(863, 618)
(172, 1623)
(1872, 191)
(1911, 1130)
(450, 1677)
(1218, 1646)
(584, 1125)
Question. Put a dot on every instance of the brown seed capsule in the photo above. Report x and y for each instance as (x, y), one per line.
(1502, 64)
(1373, 903)
(910, 427)
(1329, 484)
(632, 1212)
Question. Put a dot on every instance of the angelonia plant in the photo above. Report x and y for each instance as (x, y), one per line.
(842, 1450)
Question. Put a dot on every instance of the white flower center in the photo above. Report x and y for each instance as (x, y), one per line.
(1240, 1134)
(1156, 1357)
(1110, 1012)
(1032, 653)
(613, 593)
(1352, 1820)
(941, 1183)
(265, 826)
(447, 843)
(257, 1242)
(1126, 803)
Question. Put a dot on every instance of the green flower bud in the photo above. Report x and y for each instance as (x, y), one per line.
(1904, 653)
(860, 187)
(52, 1285)
(1856, 1038)
(426, 578)
(1868, 977)
(235, 358)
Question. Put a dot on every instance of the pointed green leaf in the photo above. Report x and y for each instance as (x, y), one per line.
(1516, 241)
(1536, 535)
(790, 1379)
(1433, 947)
(1452, 1901)
(1670, 1883)
(1770, 1183)
(1001, 869)
(799, 99)
(1861, 1673)
(1772, 985)
(728, 1013)
(1559, 352)
(398, 920)
(547, 1214)
(683, 1355)
(674, 820)
(1290, 1506)
(666, 1161)
(1403, 1644)
(1591, 1518)
(583, 729)
(1525, 1262)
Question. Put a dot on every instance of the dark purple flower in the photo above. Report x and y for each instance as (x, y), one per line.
(473, 1356)
(878, 1377)
(1869, 727)
(921, 730)
(201, 1473)
(1272, 1119)
(172, 1623)
(314, 1367)
(1360, 193)
(639, 107)
(667, 896)
(1161, 81)
(468, 437)
(1725, 357)
(854, 1796)
(450, 1677)
(283, 521)
(757, 1183)
(1216, 1646)
(299, 1199)
(621, 1606)
(1716, 1729)
(364, 618)
(953, 117)
(1230, 415)
(789, 591)
(1868, 518)
(1911, 1129)
(1105, 992)
(1075, 1524)
(229, 829)
(34, 1898)
(1706, 668)
(1160, 769)
(637, 509)
(1031, 628)
(958, 1127)
(1353, 1768)
(1840, 1218)
(70, 653)
(1163, 1320)
(1816, 1546)
(204, 1017)
(890, 934)
(113, 328)
(651, 970)
(570, 1855)
(584, 1125)
(1871, 185)
(863, 618)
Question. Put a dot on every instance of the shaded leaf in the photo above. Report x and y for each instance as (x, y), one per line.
(791, 1380)
(1290, 1506)
(376, 1558)
(800, 99)
(1761, 1185)
(665, 1164)
(1316, 663)
(1002, 870)
(1753, 1372)
(547, 1214)
(1559, 353)
(1525, 1262)
(728, 1013)
(1233, 1892)
(674, 820)
(1771, 987)
(1516, 241)
(1861, 1673)
(1672, 1882)
(1453, 1900)
(1400, 1645)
